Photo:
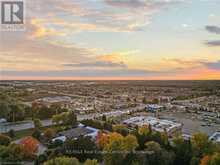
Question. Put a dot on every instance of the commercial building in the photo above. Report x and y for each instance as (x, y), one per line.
(154, 107)
(172, 128)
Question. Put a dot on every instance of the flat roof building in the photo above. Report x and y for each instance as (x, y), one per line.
(75, 133)
(215, 137)
(158, 125)
(154, 107)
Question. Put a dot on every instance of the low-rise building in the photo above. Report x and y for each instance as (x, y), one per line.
(215, 137)
(75, 133)
(154, 107)
(172, 128)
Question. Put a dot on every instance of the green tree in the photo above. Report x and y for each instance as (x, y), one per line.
(183, 151)
(37, 123)
(144, 100)
(122, 129)
(156, 155)
(11, 133)
(16, 112)
(71, 119)
(83, 147)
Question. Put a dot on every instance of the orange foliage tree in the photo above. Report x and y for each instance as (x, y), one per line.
(30, 145)
(205, 160)
(102, 139)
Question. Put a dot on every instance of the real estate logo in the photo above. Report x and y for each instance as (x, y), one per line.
(12, 15)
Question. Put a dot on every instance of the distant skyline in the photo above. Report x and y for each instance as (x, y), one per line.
(114, 40)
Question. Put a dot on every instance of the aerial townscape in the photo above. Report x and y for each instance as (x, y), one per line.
(110, 122)
(109, 82)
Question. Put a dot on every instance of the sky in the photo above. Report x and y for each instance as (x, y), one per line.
(114, 40)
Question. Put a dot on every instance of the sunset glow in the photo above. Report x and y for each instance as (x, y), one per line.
(114, 40)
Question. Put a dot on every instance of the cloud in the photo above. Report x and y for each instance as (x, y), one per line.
(193, 64)
(98, 64)
(98, 16)
(127, 3)
(213, 65)
(213, 29)
(213, 43)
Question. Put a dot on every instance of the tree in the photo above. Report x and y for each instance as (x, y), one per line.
(37, 123)
(215, 159)
(183, 151)
(201, 145)
(49, 134)
(57, 119)
(16, 112)
(144, 100)
(205, 160)
(91, 162)
(102, 140)
(4, 108)
(118, 148)
(36, 134)
(83, 148)
(11, 153)
(17, 151)
(11, 133)
(122, 129)
(130, 143)
(4, 140)
(143, 134)
(30, 145)
(71, 119)
(156, 155)
(104, 118)
(62, 161)
(211, 160)
(155, 101)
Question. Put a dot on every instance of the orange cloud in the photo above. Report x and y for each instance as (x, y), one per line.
(41, 31)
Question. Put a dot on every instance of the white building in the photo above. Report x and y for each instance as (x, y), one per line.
(215, 137)
(172, 128)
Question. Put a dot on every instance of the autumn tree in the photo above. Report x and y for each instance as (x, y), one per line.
(62, 161)
(102, 139)
(118, 148)
(91, 162)
(211, 159)
(205, 160)
(201, 145)
(30, 145)
(49, 133)
(4, 140)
